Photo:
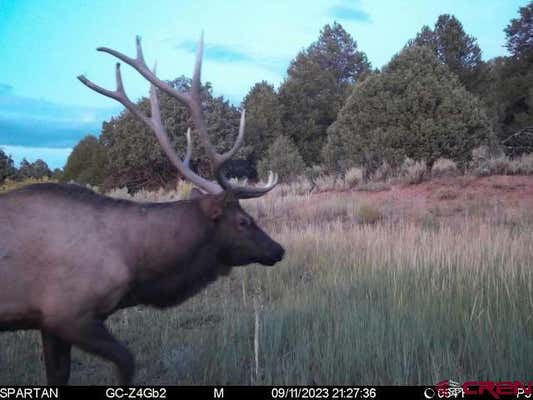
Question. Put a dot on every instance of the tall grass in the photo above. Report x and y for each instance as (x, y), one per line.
(398, 301)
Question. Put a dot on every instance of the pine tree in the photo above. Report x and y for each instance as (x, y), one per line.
(7, 167)
(319, 80)
(38, 169)
(263, 119)
(415, 108)
(283, 157)
(135, 158)
(508, 89)
(453, 46)
(519, 34)
(87, 163)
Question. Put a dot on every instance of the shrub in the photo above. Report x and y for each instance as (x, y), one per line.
(312, 174)
(493, 166)
(446, 194)
(367, 214)
(383, 172)
(326, 183)
(283, 158)
(414, 108)
(485, 163)
(413, 172)
(353, 177)
(299, 187)
(7, 167)
(87, 162)
(444, 167)
(37, 169)
(522, 165)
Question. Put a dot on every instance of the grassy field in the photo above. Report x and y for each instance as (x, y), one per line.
(367, 294)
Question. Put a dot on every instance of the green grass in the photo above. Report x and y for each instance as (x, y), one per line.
(387, 303)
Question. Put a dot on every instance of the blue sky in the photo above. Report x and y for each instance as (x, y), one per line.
(45, 44)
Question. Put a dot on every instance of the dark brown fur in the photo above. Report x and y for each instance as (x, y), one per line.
(70, 257)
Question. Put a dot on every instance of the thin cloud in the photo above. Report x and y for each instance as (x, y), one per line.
(216, 52)
(224, 54)
(349, 13)
(25, 108)
(5, 88)
(43, 134)
(40, 123)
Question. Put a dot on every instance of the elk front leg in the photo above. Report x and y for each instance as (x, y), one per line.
(56, 354)
(93, 337)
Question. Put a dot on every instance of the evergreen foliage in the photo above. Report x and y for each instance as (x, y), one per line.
(318, 82)
(283, 157)
(415, 108)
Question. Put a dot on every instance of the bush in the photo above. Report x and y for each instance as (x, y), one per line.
(87, 162)
(7, 167)
(444, 167)
(486, 162)
(353, 177)
(283, 158)
(312, 174)
(413, 172)
(414, 108)
(447, 194)
(326, 183)
(383, 172)
(37, 170)
(368, 214)
(522, 165)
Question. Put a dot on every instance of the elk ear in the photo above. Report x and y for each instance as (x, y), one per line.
(195, 194)
(212, 206)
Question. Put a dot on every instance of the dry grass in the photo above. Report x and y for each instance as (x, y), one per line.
(444, 167)
(8, 184)
(396, 301)
(353, 177)
(374, 187)
(413, 172)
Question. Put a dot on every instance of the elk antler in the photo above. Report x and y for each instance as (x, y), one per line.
(193, 101)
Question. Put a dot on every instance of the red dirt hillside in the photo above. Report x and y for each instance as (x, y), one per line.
(456, 195)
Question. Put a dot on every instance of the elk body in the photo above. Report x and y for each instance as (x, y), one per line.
(70, 257)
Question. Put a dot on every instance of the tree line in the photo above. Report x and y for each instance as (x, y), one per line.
(436, 98)
(37, 170)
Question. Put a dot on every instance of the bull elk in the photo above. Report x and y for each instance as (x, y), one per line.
(69, 257)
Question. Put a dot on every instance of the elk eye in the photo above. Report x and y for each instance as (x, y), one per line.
(243, 223)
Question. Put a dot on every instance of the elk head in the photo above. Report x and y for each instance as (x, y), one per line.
(240, 240)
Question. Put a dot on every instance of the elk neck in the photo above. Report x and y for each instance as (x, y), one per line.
(175, 254)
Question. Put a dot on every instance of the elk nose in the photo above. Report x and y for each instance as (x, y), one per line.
(280, 252)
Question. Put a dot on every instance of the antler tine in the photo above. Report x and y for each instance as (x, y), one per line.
(249, 192)
(119, 94)
(155, 124)
(197, 73)
(195, 106)
(139, 65)
(188, 153)
(238, 142)
(193, 101)
(140, 56)
(219, 160)
(163, 139)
